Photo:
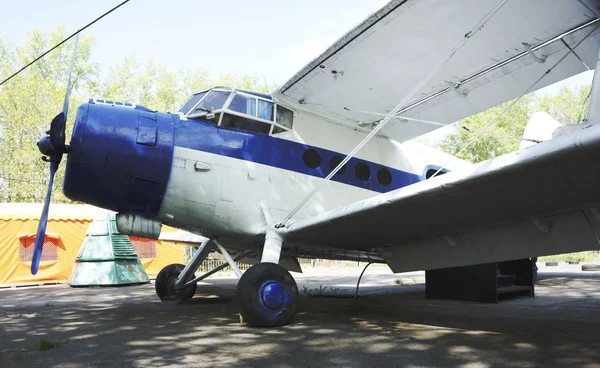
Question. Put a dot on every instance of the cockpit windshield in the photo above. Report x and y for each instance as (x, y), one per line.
(237, 109)
(192, 102)
(212, 102)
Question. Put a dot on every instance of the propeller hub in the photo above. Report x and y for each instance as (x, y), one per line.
(45, 146)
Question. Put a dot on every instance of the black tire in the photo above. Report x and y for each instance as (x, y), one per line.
(264, 284)
(165, 281)
(590, 267)
(551, 263)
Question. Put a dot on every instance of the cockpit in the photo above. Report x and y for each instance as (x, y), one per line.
(239, 109)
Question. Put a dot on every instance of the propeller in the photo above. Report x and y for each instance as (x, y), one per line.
(53, 147)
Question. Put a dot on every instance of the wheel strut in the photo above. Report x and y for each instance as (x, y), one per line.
(267, 293)
(192, 266)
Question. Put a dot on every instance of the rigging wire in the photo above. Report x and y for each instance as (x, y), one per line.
(9, 179)
(62, 42)
(587, 100)
(500, 135)
(528, 90)
(398, 107)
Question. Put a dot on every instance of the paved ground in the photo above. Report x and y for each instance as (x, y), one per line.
(391, 325)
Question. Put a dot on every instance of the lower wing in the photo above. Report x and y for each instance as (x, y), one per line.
(541, 200)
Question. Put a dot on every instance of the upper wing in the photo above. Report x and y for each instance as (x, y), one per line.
(375, 65)
(541, 200)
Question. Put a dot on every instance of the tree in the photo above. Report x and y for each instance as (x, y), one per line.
(496, 140)
(27, 105)
(160, 88)
(568, 106)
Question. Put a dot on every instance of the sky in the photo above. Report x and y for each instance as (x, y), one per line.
(267, 38)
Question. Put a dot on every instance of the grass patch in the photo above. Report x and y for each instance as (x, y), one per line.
(45, 344)
(320, 291)
(587, 256)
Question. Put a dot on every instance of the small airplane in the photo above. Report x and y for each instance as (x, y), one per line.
(325, 167)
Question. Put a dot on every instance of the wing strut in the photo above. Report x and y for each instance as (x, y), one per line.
(593, 115)
(527, 91)
(398, 107)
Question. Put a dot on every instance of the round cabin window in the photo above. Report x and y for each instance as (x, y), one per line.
(431, 173)
(362, 171)
(384, 177)
(311, 158)
(334, 162)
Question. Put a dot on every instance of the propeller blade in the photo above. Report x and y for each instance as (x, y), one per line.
(57, 134)
(59, 123)
(54, 147)
(41, 231)
(67, 95)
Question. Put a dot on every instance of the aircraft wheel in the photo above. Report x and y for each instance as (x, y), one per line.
(165, 285)
(268, 295)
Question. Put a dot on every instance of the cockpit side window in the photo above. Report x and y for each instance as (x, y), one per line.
(265, 110)
(247, 124)
(243, 104)
(285, 117)
(239, 110)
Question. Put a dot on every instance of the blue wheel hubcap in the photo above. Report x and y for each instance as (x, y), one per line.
(273, 295)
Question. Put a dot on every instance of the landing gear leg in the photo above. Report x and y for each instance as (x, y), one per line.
(267, 293)
(172, 281)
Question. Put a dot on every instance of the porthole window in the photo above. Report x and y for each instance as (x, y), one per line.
(311, 158)
(431, 172)
(334, 162)
(384, 177)
(362, 171)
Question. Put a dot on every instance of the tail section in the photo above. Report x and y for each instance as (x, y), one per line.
(539, 128)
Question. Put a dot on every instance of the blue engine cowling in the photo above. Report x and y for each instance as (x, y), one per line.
(120, 157)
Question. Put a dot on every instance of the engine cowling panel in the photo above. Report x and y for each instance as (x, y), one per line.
(120, 157)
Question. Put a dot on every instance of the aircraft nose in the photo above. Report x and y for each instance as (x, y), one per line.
(120, 157)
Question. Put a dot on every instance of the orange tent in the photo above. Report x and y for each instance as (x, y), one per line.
(65, 232)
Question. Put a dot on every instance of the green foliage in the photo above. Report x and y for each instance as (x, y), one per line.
(567, 106)
(496, 140)
(31, 100)
(45, 344)
(157, 87)
(27, 105)
(588, 256)
(319, 291)
(305, 290)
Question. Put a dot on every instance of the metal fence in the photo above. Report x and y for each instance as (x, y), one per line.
(306, 263)
(210, 262)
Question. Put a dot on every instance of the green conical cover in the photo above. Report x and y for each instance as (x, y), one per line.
(107, 257)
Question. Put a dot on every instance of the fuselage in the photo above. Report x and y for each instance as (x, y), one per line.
(199, 175)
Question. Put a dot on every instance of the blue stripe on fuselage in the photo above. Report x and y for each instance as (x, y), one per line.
(280, 153)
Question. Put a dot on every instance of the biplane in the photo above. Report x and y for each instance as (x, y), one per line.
(326, 165)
